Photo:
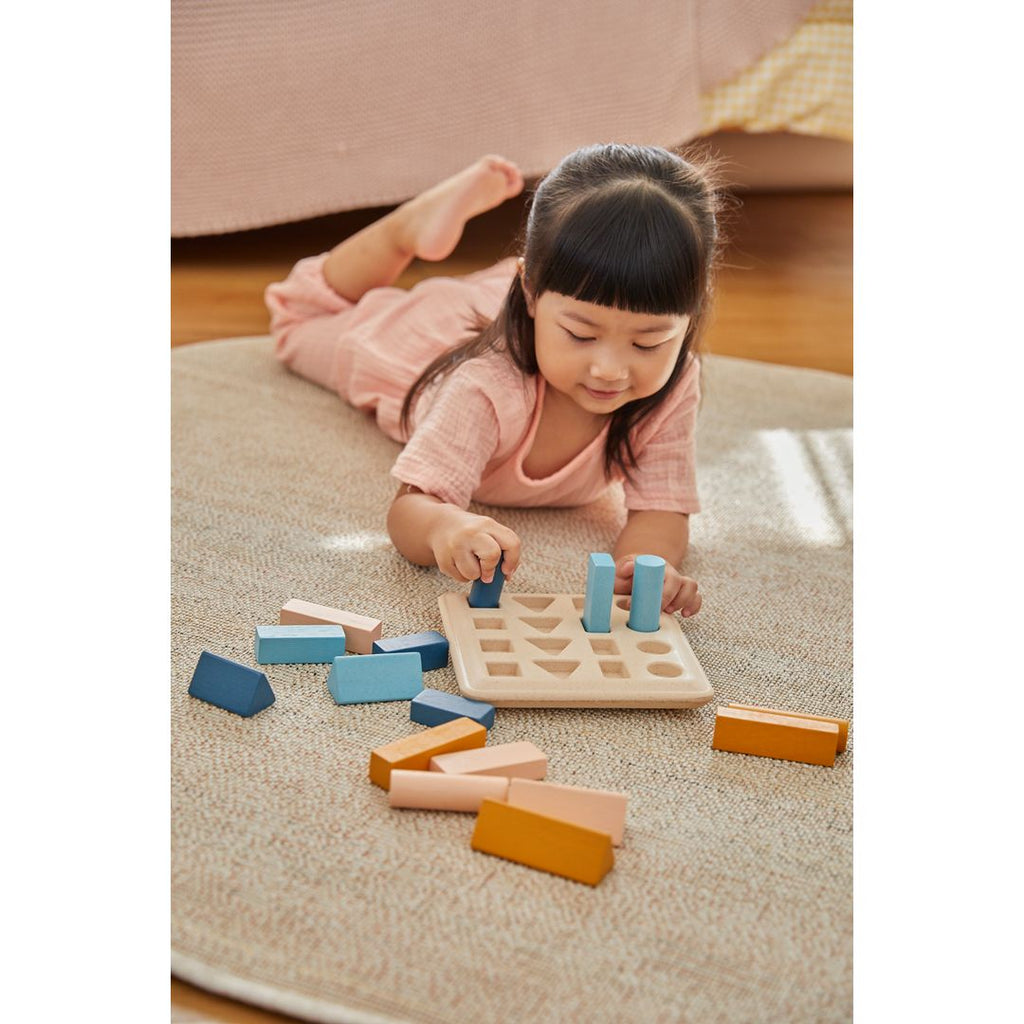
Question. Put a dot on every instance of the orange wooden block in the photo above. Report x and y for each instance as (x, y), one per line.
(549, 844)
(360, 630)
(843, 723)
(415, 752)
(783, 736)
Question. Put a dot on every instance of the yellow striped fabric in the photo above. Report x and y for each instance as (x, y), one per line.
(804, 85)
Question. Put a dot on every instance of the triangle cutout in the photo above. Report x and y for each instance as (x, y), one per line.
(542, 625)
(558, 668)
(553, 646)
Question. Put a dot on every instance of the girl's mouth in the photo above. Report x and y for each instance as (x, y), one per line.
(603, 396)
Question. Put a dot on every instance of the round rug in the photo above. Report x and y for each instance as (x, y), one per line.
(296, 887)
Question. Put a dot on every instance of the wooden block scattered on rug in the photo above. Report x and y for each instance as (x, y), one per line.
(360, 630)
(414, 752)
(375, 677)
(436, 791)
(523, 760)
(432, 647)
(433, 707)
(298, 645)
(230, 685)
(598, 809)
(842, 723)
(538, 841)
(780, 736)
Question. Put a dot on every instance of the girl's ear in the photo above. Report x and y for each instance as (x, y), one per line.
(531, 304)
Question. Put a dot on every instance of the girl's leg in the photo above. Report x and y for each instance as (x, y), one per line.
(428, 226)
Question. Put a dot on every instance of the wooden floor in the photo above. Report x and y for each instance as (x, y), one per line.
(785, 293)
(785, 296)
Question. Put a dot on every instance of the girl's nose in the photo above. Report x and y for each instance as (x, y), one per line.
(607, 370)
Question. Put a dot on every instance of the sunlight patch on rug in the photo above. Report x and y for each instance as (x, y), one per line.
(364, 540)
(813, 469)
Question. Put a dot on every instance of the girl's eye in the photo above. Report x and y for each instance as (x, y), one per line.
(575, 337)
(648, 348)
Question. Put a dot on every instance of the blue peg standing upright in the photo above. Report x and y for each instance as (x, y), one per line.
(597, 605)
(645, 601)
(488, 595)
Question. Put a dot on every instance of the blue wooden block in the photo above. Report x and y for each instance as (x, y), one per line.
(298, 645)
(597, 605)
(367, 678)
(487, 595)
(432, 647)
(434, 707)
(645, 602)
(230, 685)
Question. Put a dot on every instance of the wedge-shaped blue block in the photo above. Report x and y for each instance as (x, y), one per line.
(230, 685)
(432, 647)
(434, 707)
(298, 645)
(366, 678)
(597, 605)
(487, 595)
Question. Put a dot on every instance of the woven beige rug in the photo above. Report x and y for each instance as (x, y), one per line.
(295, 887)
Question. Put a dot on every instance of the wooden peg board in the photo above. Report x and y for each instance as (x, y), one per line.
(532, 651)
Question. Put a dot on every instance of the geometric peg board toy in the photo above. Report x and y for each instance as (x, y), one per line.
(533, 652)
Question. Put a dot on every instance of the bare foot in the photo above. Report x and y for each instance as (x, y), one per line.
(434, 220)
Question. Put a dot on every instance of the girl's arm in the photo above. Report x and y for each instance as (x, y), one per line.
(667, 534)
(462, 545)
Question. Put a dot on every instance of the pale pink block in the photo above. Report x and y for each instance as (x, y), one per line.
(599, 809)
(360, 630)
(436, 791)
(522, 760)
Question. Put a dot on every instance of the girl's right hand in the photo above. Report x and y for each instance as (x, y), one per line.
(468, 547)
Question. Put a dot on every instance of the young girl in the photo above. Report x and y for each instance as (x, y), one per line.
(581, 370)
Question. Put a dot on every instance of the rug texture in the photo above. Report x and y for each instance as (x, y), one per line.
(294, 886)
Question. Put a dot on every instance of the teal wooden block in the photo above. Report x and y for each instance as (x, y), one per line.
(645, 602)
(298, 645)
(597, 605)
(435, 707)
(230, 685)
(367, 678)
(432, 647)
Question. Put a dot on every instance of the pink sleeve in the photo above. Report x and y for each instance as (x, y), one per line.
(301, 308)
(665, 479)
(452, 443)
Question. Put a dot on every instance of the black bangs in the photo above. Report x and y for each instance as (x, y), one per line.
(629, 247)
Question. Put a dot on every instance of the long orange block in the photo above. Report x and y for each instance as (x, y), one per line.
(549, 844)
(360, 630)
(415, 752)
(843, 723)
(781, 736)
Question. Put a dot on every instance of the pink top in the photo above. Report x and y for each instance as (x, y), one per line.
(472, 430)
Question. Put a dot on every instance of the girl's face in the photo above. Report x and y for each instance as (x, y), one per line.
(602, 357)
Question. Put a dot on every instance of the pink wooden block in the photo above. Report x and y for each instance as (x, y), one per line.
(599, 809)
(360, 630)
(437, 791)
(522, 760)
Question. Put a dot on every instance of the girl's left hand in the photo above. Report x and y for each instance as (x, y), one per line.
(679, 593)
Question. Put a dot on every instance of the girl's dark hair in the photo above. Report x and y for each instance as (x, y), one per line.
(633, 227)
